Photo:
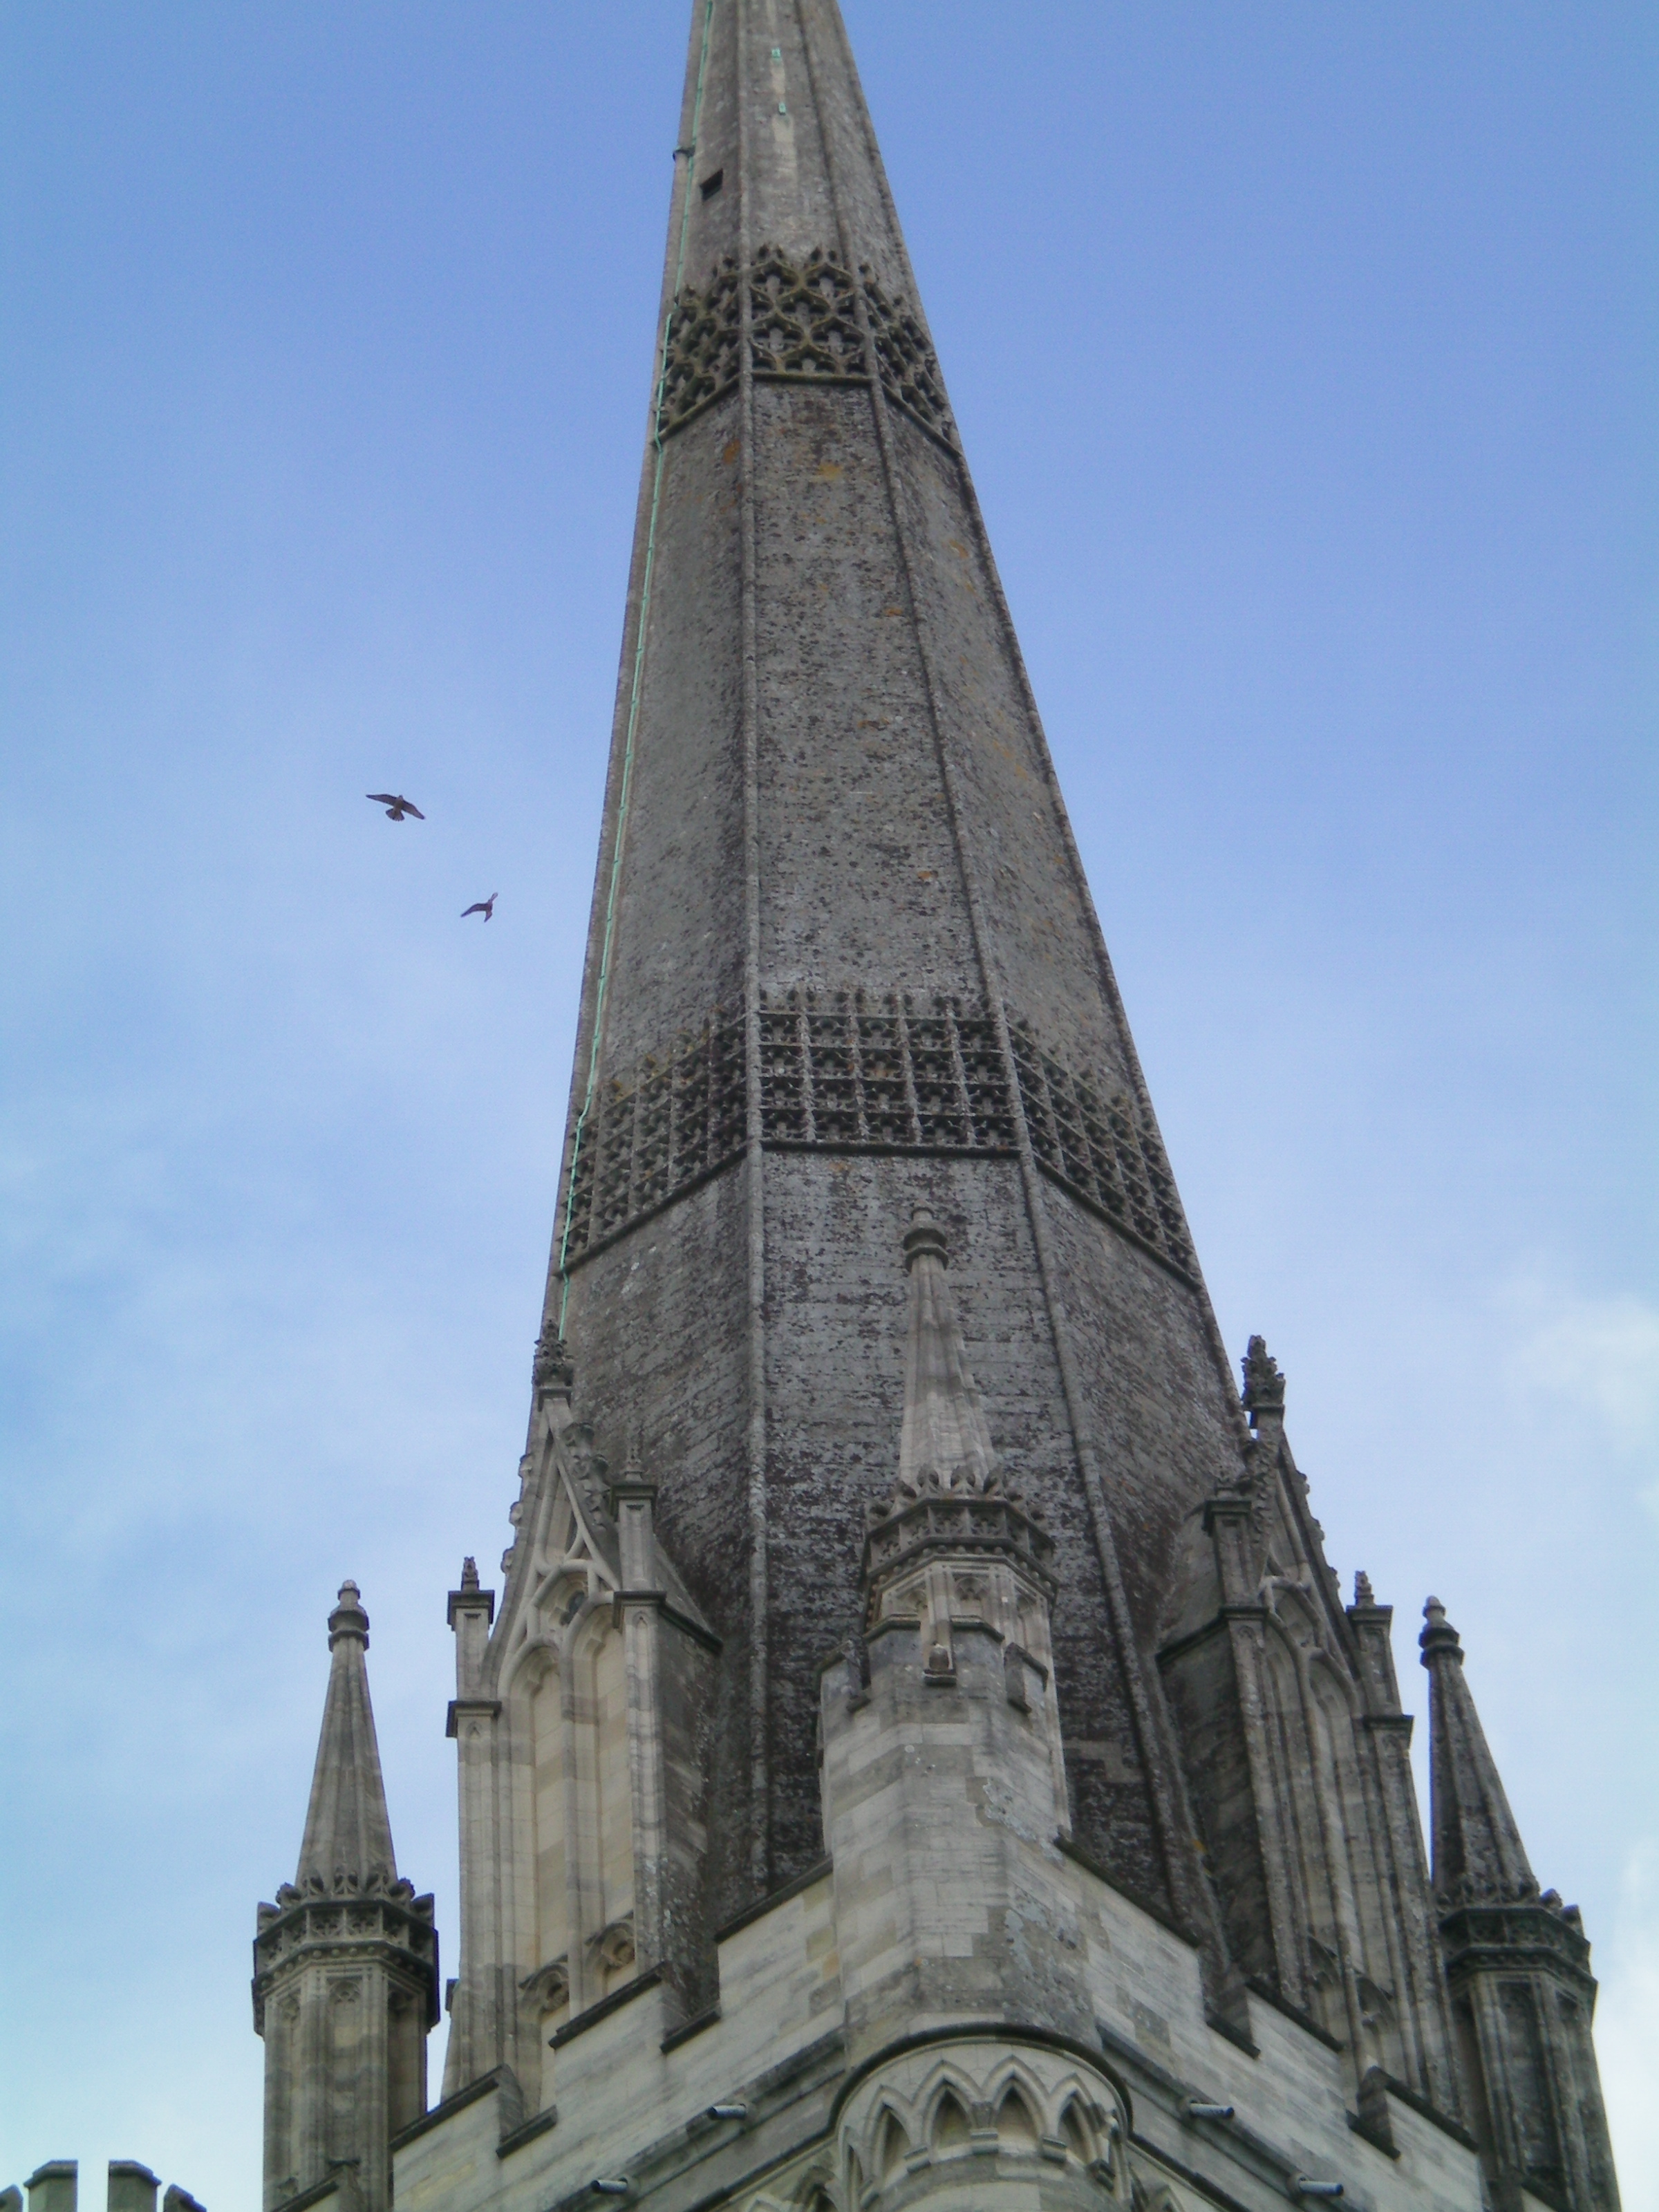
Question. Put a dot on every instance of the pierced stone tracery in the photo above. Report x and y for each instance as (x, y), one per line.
(802, 320)
(802, 327)
(856, 1070)
(909, 366)
(701, 356)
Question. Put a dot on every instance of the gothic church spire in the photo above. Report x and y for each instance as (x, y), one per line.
(842, 959)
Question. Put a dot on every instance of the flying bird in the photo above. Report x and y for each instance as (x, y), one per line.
(397, 808)
(485, 907)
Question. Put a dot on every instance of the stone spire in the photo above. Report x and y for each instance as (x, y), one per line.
(1518, 1967)
(345, 1965)
(843, 973)
(842, 959)
(1478, 1857)
(348, 1839)
(944, 1443)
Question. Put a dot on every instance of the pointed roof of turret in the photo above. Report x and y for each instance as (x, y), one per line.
(1478, 1857)
(944, 1443)
(348, 1840)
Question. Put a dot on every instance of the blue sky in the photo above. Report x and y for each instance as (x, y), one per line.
(1304, 355)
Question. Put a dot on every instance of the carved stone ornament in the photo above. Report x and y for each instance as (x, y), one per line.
(909, 366)
(700, 356)
(956, 1521)
(552, 1369)
(852, 1070)
(548, 1987)
(802, 319)
(802, 327)
(934, 2104)
(1264, 1386)
(613, 1945)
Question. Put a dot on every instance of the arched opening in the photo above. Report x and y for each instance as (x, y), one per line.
(950, 2129)
(1016, 2128)
(892, 2146)
(1075, 2134)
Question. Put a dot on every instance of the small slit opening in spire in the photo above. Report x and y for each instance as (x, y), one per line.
(711, 185)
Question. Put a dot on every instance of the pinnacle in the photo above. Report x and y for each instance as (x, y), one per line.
(348, 1836)
(944, 1443)
(1479, 1856)
(1264, 1386)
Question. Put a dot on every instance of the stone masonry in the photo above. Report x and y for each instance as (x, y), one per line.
(921, 1750)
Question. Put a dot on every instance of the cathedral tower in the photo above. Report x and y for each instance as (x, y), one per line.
(345, 1965)
(920, 1748)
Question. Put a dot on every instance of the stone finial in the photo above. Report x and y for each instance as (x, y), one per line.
(1439, 1635)
(471, 1599)
(347, 1618)
(1264, 1386)
(552, 1368)
(945, 1443)
(1364, 1596)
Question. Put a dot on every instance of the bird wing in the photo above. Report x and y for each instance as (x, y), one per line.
(410, 807)
(384, 797)
(477, 907)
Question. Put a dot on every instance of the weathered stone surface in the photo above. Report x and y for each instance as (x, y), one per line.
(943, 1541)
(828, 788)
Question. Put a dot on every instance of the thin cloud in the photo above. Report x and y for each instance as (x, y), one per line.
(1599, 1357)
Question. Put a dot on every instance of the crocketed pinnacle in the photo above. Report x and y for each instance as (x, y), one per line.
(944, 1443)
(348, 1840)
(1478, 1857)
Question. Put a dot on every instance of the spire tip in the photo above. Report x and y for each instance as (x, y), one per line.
(347, 1618)
(1438, 1634)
